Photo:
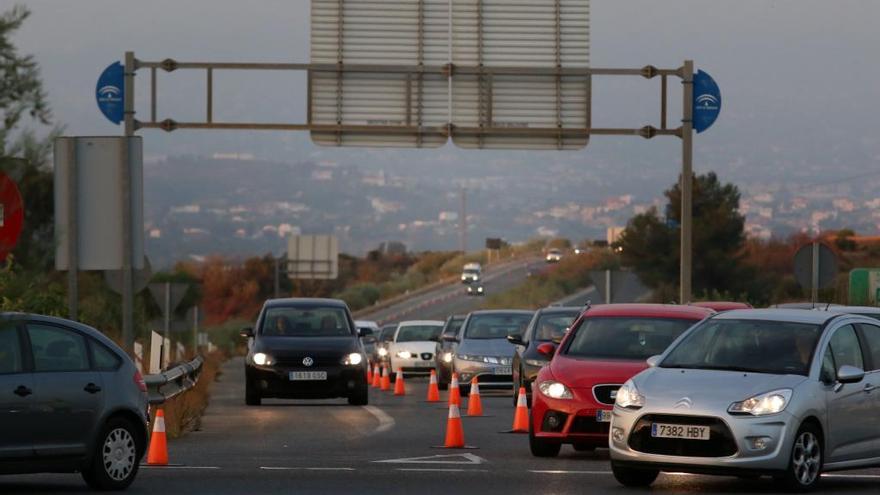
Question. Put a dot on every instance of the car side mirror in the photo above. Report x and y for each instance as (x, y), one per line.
(547, 350)
(515, 340)
(850, 374)
(653, 361)
(247, 332)
(364, 332)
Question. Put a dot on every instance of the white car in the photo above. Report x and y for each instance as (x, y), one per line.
(412, 350)
(553, 256)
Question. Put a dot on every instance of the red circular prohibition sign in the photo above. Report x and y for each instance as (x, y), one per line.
(11, 215)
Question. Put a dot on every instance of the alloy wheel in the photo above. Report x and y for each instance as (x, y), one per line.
(806, 458)
(119, 454)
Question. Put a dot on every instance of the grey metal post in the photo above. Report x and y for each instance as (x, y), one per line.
(608, 287)
(125, 188)
(167, 326)
(814, 275)
(687, 172)
(277, 276)
(72, 233)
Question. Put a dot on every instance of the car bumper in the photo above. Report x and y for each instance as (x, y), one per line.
(570, 420)
(731, 448)
(415, 365)
(276, 382)
(488, 375)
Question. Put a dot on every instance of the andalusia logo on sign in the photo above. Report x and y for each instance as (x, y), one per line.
(707, 102)
(110, 92)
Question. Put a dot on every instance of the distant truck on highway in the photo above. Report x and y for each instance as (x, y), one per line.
(471, 273)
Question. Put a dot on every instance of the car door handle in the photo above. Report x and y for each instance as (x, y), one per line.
(92, 388)
(22, 391)
(869, 388)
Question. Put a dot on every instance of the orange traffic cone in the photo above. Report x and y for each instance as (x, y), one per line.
(369, 374)
(399, 388)
(386, 380)
(454, 393)
(454, 431)
(433, 390)
(158, 454)
(521, 416)
(475, 406)
(376, 377)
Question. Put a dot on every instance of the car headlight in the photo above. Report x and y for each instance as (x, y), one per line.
(447, 357)
(479, 289)
(404, 354)
(263, 359)
(383, 352)
(766, 403)
(470, 357)
(554, 390)
(353, 359)
(628, 396)
(536, 362)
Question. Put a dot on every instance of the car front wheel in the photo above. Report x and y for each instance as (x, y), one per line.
(634, 478)
(360, 397)
(251, 394)
(805, 464)
(116, 457)
(542, 448)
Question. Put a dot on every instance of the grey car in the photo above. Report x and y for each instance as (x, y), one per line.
(481, 348)
(70, 401)
(779, 392)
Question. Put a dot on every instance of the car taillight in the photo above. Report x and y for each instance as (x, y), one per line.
(139, 381)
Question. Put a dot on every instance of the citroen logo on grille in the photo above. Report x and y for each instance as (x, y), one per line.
(684, 403)
(307, 361)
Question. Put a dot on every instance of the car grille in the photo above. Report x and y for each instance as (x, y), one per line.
(588, 424)
(720, 443)
(604, 393)
(488, 379)
(296, 361)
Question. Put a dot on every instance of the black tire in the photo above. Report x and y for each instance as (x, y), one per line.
(809, 448)
(542, 448)
(442, 384)
(516, 385)
(252, 396)
(116, 457)
(464, 390)
(583, 447)
(361, 397)
(634, 478)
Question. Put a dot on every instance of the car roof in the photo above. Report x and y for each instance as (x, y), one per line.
(721, 305)
(777, 314)
(304, 301)
(649, 310)
(92, 332)
(861, 310)
(502, 312)
(412, 323)
(559, 309)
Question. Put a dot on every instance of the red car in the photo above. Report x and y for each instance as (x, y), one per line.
(573, 396)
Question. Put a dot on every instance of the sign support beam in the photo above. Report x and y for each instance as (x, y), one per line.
(687, 182)
(125, 187)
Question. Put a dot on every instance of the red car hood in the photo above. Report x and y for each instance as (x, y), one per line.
(585, 373)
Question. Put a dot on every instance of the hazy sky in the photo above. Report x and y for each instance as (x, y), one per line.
(798, 75)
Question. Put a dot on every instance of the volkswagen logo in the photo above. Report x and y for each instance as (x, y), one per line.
(307, 361)
(684, 403)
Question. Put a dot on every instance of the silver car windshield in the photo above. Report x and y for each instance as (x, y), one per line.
(418, 333)
(635, 338)
(496, 326)
(306, 322)
(551, 326)
(757, 346)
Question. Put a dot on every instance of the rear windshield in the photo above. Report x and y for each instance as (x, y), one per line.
(625, 338)
(416, 333)
(496, 326)
(453, 326)
(552, 326)
(757, 346)
(301, 321)
(387, 333)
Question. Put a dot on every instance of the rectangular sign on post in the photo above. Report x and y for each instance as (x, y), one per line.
(313, 257)
(98, 195)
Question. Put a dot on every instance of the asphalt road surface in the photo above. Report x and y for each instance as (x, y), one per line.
(328, 447)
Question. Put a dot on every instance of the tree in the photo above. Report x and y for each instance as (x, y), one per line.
(651, 245)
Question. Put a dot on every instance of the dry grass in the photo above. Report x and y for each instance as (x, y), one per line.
(183, 414)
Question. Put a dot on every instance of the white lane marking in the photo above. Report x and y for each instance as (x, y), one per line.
(147, 466)
(439, 459)
(386, 422)
(560, 471)
(285, 468)
(853, 476)
(444, 470)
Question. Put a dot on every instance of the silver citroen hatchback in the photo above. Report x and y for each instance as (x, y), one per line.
(778, 392)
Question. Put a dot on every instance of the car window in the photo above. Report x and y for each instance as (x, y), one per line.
(829, 370)
(496, 326)
(10, 349)
(416, 333)
(846, 349)
(387, 333)
(872, 339)
(551, 327)
(306, 321)
(633, 338)
(453, 326)
(57, 349)
(104, 358)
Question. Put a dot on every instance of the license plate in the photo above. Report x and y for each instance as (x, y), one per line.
(424, 364)
(308, 375)
(687, 432)
(503, 370)
(603, 416)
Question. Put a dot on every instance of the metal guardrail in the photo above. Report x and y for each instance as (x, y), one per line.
(170, 383)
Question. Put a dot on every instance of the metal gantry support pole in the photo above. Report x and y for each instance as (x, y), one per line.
(687, 182)
(126, 194)
(72, 233)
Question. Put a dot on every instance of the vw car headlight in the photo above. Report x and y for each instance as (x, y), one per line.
(353, 359)
(628, 396)
(383, 352)
(554, 390)
(263, 359)
(404, 354)
(536, 362)
(447, 357)
(470, 357)
(766, 403)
